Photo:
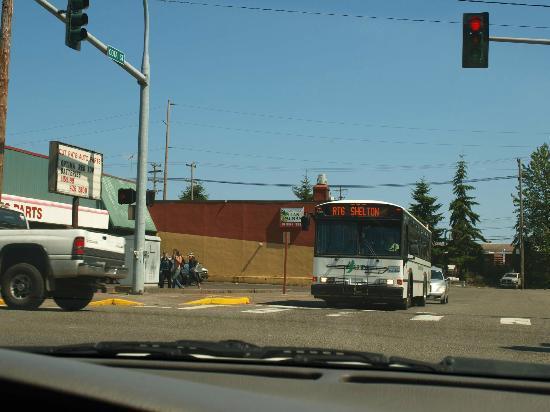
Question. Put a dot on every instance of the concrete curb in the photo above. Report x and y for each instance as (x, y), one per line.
(220, 301)
(115, 302)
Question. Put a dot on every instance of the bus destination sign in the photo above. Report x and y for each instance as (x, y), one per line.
(360, 210)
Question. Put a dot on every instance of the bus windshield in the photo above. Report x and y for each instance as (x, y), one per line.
(365, 238)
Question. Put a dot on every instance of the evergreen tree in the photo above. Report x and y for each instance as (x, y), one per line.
(462, 248)
(425, 208)
(536, 217)
(199, 192)
(304, 191)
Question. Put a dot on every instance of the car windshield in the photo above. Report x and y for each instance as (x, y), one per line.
(278, 172)
(436, 275)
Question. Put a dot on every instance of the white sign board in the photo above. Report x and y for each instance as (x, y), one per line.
(45, 211)
(75, 171)
(291, 217)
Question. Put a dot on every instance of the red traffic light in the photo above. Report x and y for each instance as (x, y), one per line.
(475, 23)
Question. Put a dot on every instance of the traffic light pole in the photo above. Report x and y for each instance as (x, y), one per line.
(143, 79)
(519, 40)
(94, 41)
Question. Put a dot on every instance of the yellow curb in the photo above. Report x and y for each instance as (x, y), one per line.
(2, 302)
(116, 302)
(220, 301)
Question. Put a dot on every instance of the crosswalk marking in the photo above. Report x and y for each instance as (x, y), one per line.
(265, 310)
(201, 307)
(429, 318)
(515, 321)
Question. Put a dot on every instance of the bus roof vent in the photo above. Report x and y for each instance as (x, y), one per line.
(322, 179)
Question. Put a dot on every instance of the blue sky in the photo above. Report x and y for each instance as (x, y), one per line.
(262, 96)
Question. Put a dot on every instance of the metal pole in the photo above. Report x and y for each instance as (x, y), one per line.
(521, 246)
(94, 41)
(76, 204)
(286, 235)
(545, 42)
(141, 184)
(5, 46)
(164, 189)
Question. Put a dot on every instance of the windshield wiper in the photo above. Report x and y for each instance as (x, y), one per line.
(240, 351)
(228, 350)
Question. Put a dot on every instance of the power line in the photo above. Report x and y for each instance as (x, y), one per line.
(506, 3)
(349, 139)
(356, 124)
(447, 182)
(66, 125)
(330, 14)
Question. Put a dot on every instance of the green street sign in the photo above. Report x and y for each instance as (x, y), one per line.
(115, 54)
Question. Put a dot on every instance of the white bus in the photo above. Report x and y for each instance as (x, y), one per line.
(370, 251)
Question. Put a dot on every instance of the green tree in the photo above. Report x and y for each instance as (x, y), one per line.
(304, 191)
(199, 192)
(536, 217)
(426, 209)
(463, 250)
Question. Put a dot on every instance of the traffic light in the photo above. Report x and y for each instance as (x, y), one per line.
(74, 32)
(150, 198)
(475, 40)
(126, 196)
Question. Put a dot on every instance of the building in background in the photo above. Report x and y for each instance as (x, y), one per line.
(25, 188)
(239, 240)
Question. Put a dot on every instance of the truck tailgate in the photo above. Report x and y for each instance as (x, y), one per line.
(103, 245)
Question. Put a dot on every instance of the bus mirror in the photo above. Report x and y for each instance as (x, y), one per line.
(305, 222)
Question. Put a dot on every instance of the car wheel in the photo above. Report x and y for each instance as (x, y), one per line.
(23, 287)
(73, 297)
(446, 299)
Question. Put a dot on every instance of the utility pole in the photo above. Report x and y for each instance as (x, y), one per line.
(340, 196)
(167, 123)
(192, 166)
(521, 245)
(5, 45)
(155, 170)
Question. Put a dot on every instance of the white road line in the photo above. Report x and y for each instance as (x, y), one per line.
(515, 321)
(146, 306)
(288, 307)
(202, 307)
(335, 315)
(429, 318)
(265, 310)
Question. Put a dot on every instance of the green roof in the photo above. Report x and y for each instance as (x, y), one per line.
(118, 214)
(26, 174)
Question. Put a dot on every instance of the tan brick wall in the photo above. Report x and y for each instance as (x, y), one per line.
(233, 258)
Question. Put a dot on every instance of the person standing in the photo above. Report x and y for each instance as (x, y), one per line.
(178, 265)
(165, 270)
(192, 260)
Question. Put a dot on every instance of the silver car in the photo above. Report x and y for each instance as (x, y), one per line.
(439, 286)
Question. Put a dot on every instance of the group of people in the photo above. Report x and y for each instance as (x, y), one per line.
(176, 271)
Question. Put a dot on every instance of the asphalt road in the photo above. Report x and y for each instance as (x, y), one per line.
(483, 323)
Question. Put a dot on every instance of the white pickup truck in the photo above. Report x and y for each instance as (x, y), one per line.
(69, 265)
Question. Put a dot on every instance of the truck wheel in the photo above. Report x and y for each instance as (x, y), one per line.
(73, 297)
(22, 287)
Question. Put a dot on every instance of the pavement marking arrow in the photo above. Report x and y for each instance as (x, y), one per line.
(515, 321)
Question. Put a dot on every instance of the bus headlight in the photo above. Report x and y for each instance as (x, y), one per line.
(389, 281)
(323, 280)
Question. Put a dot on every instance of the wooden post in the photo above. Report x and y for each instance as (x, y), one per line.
(5, 43)
(76, 203)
